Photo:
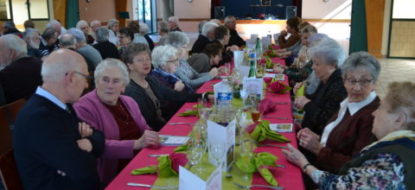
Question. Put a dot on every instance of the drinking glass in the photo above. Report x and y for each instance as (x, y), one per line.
(217, 153)
(246, 149)
(195, 154)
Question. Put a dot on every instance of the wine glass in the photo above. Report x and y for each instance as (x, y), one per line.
(217, 153)
(195, 154)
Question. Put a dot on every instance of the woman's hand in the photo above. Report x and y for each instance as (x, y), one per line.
(297, 86)
(300, 102)
(149, 138)
(214, 72)
(309, 140)
(179, 86)
(294, 156)
(84, 130)
(84, 144)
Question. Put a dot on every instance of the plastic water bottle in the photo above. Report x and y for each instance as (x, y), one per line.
(223, 100)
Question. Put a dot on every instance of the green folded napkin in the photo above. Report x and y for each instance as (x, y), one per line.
(189, 113)
(167, 166)
(182, 148)
(260, 163)
(262, 131)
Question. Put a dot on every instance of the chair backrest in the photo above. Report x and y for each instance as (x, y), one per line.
(8, 115)
(8, 172)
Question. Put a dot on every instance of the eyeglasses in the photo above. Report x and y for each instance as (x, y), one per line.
(362, 82)
(87, 77)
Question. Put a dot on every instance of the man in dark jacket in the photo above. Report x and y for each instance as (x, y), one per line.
(235, 39)
(21, 73)
(53, 150)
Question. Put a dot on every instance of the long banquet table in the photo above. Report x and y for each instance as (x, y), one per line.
(289, 177)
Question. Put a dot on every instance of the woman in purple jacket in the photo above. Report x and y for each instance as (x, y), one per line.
(117, 116)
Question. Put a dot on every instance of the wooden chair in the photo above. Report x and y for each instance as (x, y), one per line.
(8, 172)
(8, 169)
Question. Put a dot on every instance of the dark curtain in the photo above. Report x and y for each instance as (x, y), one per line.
(72, 13)
(358, 33)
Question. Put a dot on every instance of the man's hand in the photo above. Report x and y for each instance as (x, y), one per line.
(84, 130)
(84, 144)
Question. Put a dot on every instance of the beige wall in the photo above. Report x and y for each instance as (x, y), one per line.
(331, 9)
(102, 10)
(195, 9)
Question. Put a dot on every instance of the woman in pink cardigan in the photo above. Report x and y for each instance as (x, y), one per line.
(117, 116)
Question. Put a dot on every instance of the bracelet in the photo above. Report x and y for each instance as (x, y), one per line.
(305, 167)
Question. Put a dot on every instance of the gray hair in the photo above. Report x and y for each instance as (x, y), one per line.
(164, 27)
(95, 22)
(81, 23)
(48, 33)
(329, 52)
(200, 26)
(143, 28)
(161, 54)
(174, 19)
(53, 23)
(361, 60)
(229, 19)
(102, 34)
(177, 39)
(78, 34)
(133, 50)
(313, 39)
(14, 43)
(208, 27)
(110, 62)
(67, 40)
(53, 70)
(309, 29)
(112, 22)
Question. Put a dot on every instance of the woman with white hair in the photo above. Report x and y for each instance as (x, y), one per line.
(84, 27)
(179, 40)
(174, 24)
(152, 96)
(165, 62)
(206, 37)
(105, 48)
(319, 107)
(385, 164)
(350, 129)
(113, 26)
(118, 117)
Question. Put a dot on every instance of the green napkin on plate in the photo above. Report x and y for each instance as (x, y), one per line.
(260, 163)
(167, 165)
(189, 113)
(262, 131)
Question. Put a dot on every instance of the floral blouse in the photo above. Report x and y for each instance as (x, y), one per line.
(385, 171)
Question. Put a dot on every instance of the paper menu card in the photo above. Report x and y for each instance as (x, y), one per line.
(171, 140)
(217, 133)
(190, 181)
(253, 86)
(281, 127)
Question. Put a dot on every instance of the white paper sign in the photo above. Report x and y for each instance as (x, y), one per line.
(225, 135)
(254, 86)
(190, 181)
(281, 127)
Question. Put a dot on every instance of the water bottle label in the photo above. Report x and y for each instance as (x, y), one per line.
(252, 55)
(224, 96)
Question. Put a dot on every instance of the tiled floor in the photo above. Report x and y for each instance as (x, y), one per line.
(394, 70)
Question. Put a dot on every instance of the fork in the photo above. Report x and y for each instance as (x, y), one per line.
(257, 185)
(181, 123)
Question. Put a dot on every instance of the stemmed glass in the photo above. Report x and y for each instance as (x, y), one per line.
(217, 153)
(195, 154)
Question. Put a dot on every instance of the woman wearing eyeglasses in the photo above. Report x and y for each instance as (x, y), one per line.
(385, 164)
(350, 128)
(166, 61)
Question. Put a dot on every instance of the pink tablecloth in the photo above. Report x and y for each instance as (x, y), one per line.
(288, 177)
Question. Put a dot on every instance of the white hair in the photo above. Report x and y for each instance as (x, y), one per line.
(53, 70)
(208, 27)
(143, 28)
(28, 33)
(112, 22)
(115, 63)
(329, 52)
(95, 22)
(177, 39)
(53, 23)
(174, 19)
(14, 43)
(229, 19)
(161, 54)
(81, 23)
(78, 34)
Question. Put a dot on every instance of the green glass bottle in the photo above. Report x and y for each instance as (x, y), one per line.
(252, 64)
